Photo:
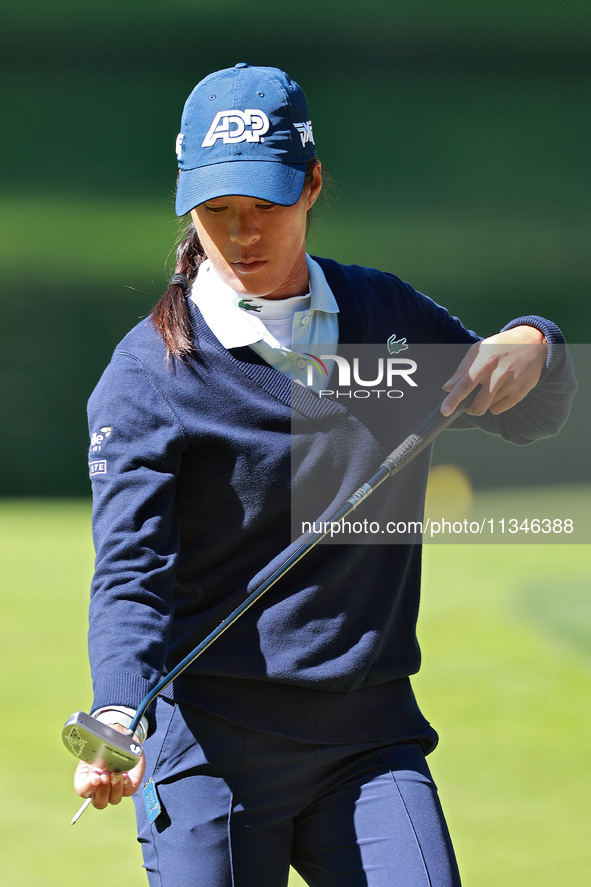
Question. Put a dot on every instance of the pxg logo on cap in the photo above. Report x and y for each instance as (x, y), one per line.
(245, 130)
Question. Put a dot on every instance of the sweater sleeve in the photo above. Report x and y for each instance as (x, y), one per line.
(543, 412)
(418, 318)
(135, 452)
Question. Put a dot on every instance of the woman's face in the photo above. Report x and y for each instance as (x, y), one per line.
(258, 248)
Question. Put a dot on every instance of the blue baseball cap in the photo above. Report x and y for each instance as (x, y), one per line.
(245, 130)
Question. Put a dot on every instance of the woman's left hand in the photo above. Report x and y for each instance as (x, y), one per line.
(506, 366)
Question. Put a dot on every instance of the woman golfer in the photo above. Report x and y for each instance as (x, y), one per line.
(296, 738)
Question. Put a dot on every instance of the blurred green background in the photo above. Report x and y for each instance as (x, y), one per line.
(456, 134)
(457, 138)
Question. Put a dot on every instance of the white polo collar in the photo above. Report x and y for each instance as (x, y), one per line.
(236, 325)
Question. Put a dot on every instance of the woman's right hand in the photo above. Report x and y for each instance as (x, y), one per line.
(106, 787)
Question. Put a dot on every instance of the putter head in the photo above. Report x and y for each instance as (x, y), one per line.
(99, 744)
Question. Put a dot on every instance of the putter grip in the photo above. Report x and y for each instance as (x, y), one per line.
(424, 434)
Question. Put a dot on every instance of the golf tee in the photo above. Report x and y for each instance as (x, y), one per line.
(81, 810)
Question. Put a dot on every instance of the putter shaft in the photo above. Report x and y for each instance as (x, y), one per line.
(417, 441)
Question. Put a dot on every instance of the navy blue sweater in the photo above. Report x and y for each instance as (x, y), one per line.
(195, 469)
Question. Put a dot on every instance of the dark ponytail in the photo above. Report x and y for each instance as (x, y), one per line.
(171, 315)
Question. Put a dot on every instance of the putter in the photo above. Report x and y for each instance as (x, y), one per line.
(107, 748)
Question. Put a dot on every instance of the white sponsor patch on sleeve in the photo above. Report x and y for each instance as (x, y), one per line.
(98, 438)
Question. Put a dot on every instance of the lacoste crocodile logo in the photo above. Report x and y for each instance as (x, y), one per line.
(245, 303)
(395, 346)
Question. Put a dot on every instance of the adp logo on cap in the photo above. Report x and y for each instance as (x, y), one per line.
(244, 130)
(237, 126)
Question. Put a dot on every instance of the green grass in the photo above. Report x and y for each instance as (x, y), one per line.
(506, 638)
(509, 692)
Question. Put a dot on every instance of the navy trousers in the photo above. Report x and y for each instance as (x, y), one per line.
(240, 806)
